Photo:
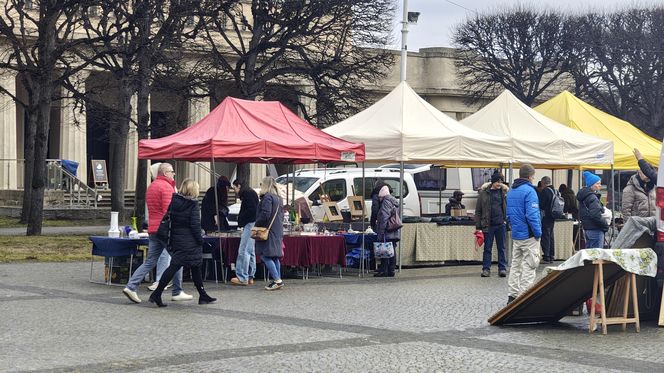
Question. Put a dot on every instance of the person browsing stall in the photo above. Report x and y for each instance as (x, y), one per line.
(245, 265)
(270, 215)
(591, 210)
(388, 207)
(491, 220)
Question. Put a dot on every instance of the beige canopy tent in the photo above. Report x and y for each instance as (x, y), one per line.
(402, 127)
(537, 139)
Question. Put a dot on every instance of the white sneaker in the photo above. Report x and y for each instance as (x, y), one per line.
(132, 295)
(154, 285)
(182, 296)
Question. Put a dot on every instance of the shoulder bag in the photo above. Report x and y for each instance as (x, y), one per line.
(164, 230)
(261, 233)
(394, 222)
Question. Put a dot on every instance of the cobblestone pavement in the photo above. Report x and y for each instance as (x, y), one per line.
(425, 320)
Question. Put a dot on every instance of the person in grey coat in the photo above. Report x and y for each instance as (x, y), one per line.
(388, 206)
(638, 198)
(270, 208)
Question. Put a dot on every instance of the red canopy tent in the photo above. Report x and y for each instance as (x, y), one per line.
(254, 132)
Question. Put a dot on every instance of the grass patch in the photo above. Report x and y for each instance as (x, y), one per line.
(44, 248)
(7, 222)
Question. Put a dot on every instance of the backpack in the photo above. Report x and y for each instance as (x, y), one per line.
(557, 205)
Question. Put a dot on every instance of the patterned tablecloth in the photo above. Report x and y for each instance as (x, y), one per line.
(431, 243)
(639, 261)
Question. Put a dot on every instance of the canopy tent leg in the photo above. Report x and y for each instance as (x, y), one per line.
(364, 216)
(401, 204)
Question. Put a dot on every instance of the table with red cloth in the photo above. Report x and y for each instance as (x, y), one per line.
(299, 251)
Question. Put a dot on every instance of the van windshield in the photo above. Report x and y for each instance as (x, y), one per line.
(302, 184)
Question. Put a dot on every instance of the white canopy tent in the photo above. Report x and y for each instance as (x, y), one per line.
(537, 139)
(402, 127)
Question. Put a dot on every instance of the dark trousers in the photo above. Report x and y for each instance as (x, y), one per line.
(497, 232)
(547, 242)
(387, 265)
(168, 274)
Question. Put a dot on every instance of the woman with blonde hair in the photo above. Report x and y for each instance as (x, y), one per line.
(186, 241)
(270, 214)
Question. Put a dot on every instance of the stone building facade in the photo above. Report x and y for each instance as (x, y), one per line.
(78, 135)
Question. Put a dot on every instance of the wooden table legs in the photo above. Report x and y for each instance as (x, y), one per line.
(629, 289)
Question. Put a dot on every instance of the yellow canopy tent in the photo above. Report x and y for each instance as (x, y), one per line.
(573, 112)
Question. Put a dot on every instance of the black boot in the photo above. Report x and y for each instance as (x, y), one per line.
(156, 299)
(204, 298)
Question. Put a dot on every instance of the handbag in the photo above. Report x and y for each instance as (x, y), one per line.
(383, 249)
(164, 230)
(394, 222)
(262, 233)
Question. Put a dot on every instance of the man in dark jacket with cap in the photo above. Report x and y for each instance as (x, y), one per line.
(491, 219)
(455, 202)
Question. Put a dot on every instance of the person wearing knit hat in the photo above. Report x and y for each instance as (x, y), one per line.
(590, 179)
(212, 206)
(491, 219)
(591, 210)
(388, 207)
(523, 213)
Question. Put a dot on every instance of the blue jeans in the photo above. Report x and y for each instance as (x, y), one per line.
(273, 264)
(245, 265)
(163, 263)
(594, 239)
(155, 248)
(497, 231)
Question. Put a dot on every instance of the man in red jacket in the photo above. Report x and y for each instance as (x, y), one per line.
(157, 197)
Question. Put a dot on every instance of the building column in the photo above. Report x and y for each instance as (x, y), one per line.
(73, 130)
(131, 162)
(8, 141)
(199, 107)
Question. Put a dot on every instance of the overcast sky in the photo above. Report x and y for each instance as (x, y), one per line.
(438, 17)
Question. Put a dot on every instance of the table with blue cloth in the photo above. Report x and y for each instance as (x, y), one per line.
(112, 247)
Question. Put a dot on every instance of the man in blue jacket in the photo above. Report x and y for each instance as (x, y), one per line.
(524, 216)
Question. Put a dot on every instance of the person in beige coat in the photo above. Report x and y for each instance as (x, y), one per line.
(638, 198)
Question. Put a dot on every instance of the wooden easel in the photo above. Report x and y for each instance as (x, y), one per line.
(628, 289)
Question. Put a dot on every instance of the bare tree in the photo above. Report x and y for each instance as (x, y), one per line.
(618, 64)
(519, 49)
(40, 40)
(304, 49)
(148, 45)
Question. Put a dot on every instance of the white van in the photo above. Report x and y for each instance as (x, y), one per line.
(341, 183)
(435, 185)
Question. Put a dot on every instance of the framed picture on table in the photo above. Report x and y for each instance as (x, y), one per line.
(332, 211)
(356, 204)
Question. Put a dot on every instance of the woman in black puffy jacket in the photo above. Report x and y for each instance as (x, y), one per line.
(186, 241)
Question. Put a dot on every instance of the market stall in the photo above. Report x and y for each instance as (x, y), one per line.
(574, 113)
(254, 132)
(402, 127)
